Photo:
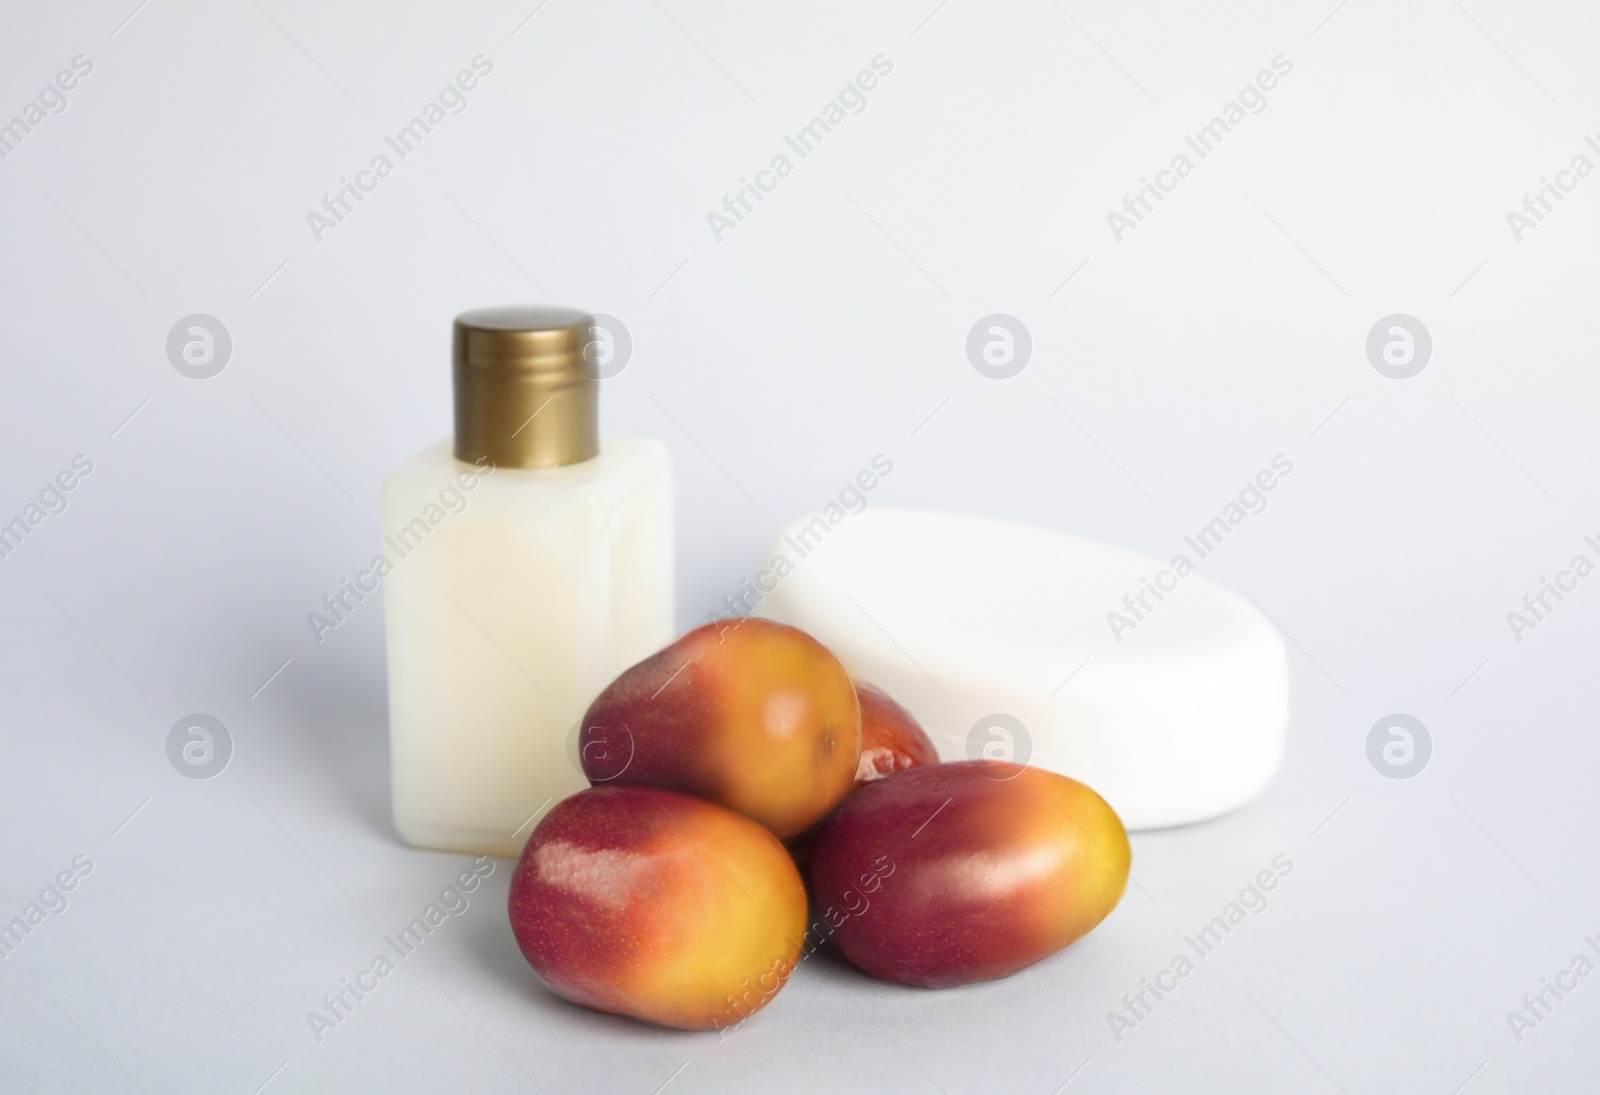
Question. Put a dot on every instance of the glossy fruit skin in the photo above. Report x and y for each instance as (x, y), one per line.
(648, 903)
(891, 739)
(962, 872)
(753, 715)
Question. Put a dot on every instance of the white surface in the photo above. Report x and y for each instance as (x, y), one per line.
(776, 364)
(1178, 702)
(507, 608)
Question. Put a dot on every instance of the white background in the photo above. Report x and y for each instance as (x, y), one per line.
(827, 327)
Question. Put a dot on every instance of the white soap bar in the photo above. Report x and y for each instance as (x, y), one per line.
(1018, 643)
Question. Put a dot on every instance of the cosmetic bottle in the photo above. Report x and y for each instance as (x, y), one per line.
(525, 564)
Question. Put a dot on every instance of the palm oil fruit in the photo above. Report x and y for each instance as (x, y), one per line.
(891, 739)
(952, 873)
(644, 902)
(750, 714)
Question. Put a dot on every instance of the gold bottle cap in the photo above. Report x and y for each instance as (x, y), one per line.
(522, 397)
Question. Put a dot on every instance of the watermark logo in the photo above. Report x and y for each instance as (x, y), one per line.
(600, 753)
(1399, 746)
(1538, 1005)
(999, 346)
(606, 354)
(851, 99)
(340, 1004)
(50, 501)
(1399, 346)
(402, 540)
(851, 499)
(451, 100)
(1551, 192)
(851, 903)
(52, 901)
(1000, 739)
(199, 346)
(1137, 1006)
(1251, 499)
(199, 746)
(51, 100)
(1140, 202)
(1537, 606)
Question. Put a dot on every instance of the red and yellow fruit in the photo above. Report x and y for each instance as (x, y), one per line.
(963, 872)
(891, 739)
(653, 904)
(663, 891)
(754, 715)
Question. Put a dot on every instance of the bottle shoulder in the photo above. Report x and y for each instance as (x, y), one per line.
(650, 451)
(625, 466)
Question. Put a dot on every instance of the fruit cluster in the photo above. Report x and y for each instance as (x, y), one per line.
(671, 889)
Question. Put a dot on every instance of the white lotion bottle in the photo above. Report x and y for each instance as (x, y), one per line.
(527, 565)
